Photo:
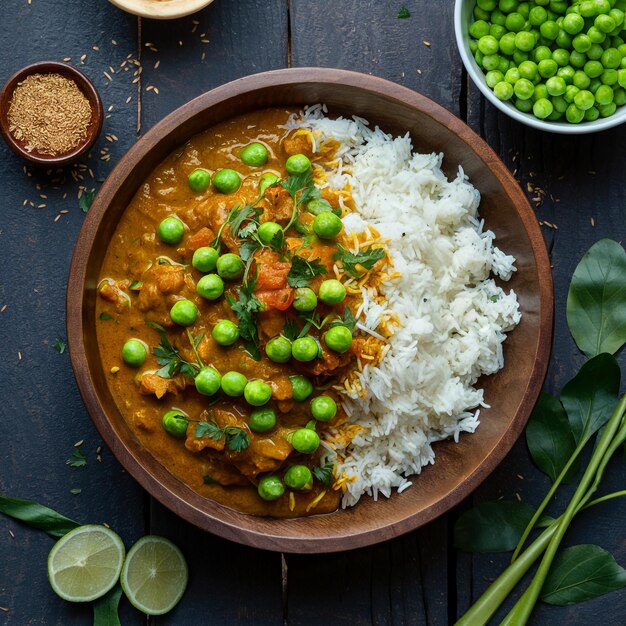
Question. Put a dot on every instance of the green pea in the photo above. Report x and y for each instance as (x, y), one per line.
(208, 381)
(503, 91)
(205, 259)
(581, 80)
(226, 181)
(547, 68)
(257, 393)
(606, 110)
(297, 164)
(573, 23)
(561, 57)
(304, 299)
(270, 488)
(301, 388)
(184, 313)
(479, 29)
(171, 230)
(584, 100)
(609, 77)
(230, 266)
(331, 291)
(570, 93)
(268, 230)
(305, 440)
(604, 23)
(596, 35)
(537, 16)
(525, 106)
(592, 114)
(581, 43)
(567, 74)
(134, 352)
(327, 225)
(577, 59)
(542, 108)
(574, 115)
(491, 62)
(233, 384)
(541, 53)
(619, 96)
(278, 349)
(515, 22)
(299, 477)
(304, 349)
(559, 104)
(225, 333)
(262, 420)
(254, 155)
(210, 287)
(493, 78)
(338, 338)
(604, 95)
(175, 423)
(512, 75)
(556, 86)
(528, 70)
(564, 40)
(524, 41)
(524, 89)
(611, 58)
(507, 43)
(593, 69)
(549, 30)
(267, 180)
(199, 180)
(323, 408)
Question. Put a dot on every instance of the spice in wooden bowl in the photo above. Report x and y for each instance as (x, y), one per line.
(49, 114)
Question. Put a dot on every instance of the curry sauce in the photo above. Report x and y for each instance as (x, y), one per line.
(142, 278)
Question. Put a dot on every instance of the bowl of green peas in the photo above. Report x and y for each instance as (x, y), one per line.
(555, 65)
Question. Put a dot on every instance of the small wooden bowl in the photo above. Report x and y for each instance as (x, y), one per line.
(83, 83)
(459, 468)
(161, 9)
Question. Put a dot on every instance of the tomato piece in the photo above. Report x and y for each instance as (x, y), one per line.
(280, 299)
(271, 271)
(204, 237)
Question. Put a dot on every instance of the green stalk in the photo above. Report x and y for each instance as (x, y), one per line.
(548, 498)
(521, 612)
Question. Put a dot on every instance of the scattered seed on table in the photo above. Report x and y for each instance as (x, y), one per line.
(19, 356)
(11, 533)
(156, 65)
(108, 76)
(427, 43)
(79, 443)
(4, 308)
(593, 221)
(114, 42)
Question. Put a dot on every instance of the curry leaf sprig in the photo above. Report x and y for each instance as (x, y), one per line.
(558, 431)
(235, 437)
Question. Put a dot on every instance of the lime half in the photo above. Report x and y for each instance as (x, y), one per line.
(154, 576)
(86, 563)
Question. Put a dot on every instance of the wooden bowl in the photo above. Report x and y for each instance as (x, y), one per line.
(459, 468)
(161, 9)
(83, 83)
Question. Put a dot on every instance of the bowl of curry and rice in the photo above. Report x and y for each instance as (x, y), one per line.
(310, 310)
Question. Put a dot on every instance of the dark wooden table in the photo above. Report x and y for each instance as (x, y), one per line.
(415, 579)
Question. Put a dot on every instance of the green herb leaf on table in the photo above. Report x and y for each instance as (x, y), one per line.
(590, 397)
(105, 608)
(367, 258)
(37, 516)
(580, 573)
(237, 439)
(549, 437)
(403, 13)
(86, 199)
(77, 459)
(59, 345)
(303, 271)
(492, 526)
(596, 301)
(170, 358)
(324, 473)
(245, 308)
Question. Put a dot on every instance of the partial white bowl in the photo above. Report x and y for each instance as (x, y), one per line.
(161, 9)
(463, 17)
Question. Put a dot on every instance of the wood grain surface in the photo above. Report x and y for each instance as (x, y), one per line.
(416, 579)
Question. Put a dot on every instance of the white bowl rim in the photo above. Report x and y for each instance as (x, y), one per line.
(165, 10)
(478, 77)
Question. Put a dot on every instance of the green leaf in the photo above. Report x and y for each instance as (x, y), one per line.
(348, 320)
(403, 13)
(580, 573)
(596, 302)
(37, 516)
(291, 329)
(77, 459)
(324, 473)
(549, 437)
(105, 317)
(105, 608)
(590, 397)
(136, 285)
(59, 345)
(366, 257)
(245, 308)
(302, 271)
(85, 200)
(492, 526)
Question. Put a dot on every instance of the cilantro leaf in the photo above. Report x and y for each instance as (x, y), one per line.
(237, 439)
(85, 200)
(238, 216)
(170, 358)
(366, 258)
(105, 317)
(403, 13)
(291, 329)
(77, 459)
(302, 271)
(348, 320)
(136, 285)
(324, 474)
(209, 480)
(245, 308)
(59, 345)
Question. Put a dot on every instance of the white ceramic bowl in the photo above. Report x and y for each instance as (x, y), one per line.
(463, 17)
(161, 9)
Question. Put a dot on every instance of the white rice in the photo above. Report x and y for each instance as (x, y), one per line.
(453, 317)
